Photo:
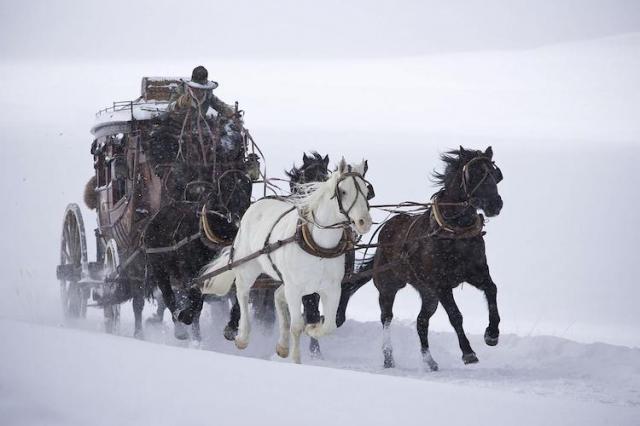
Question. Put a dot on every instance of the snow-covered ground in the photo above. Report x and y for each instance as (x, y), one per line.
(562, 120)
(59, 376)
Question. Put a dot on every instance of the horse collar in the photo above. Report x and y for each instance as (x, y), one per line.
(447, 230)
(306, 242)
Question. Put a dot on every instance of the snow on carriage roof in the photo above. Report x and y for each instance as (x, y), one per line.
(124, 112)
(155, 93)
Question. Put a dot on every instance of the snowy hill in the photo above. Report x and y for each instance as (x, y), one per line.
(55, 376)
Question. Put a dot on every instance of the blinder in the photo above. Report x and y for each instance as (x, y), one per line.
(371, 193)
(368, 196)
(497, 173)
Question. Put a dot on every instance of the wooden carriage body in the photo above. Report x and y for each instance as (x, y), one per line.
(132, 186)
(129, 187)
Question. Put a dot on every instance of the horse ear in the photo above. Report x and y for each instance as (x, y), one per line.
(305, 159)
(489, 153)
(366, 167)
(342, 166)
(462, 150)
(326, 160)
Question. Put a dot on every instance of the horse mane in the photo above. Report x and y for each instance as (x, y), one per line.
(296, 172)
(454, 160)
(307, 196)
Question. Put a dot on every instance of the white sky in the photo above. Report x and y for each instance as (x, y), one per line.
(119, 30)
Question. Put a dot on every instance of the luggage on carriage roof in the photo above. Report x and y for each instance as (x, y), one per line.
(160, 88)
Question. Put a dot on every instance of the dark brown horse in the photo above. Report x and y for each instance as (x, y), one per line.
(440, 249)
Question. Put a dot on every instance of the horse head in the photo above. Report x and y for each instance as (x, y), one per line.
(472, 176)
(352, 194)
(314, 169)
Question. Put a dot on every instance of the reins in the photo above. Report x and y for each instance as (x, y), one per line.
(305, 240)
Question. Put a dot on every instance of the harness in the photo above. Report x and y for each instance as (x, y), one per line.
(449, 231)
(490, 169)
(302, 236)
(306, 242)
(338, 194)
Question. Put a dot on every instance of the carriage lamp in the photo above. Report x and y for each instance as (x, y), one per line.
(253, 166)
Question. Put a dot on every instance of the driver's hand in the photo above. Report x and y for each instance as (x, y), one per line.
(184, 101)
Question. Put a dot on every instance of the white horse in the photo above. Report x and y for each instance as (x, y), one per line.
(327, 208)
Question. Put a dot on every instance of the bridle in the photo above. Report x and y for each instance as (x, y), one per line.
(490, 170)
(338, 196)
(367, 197)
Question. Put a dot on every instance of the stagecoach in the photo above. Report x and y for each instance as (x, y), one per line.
(162, 186)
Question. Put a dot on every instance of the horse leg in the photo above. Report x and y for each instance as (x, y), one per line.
(330, 300)
(311, 311)
(158, 315)
(159, 275)
(160, 310)
(197, 302)
(294, 299)
(231, 329)
(486, 284)
(284, 321)
(386, 299)
(138, 305)
(243, 287)
(429, 306)
(348, 289)
(455, 318)
(195, 328)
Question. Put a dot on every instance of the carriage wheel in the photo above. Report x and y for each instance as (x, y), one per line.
(73, 261)
(111, 312)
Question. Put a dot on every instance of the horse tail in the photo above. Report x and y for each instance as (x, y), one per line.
(90, 196)
(221, 283)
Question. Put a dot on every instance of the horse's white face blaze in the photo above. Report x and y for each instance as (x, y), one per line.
(354, 199)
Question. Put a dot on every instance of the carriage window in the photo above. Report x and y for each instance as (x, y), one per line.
(101, 171)
(99, 163)
(119, 175)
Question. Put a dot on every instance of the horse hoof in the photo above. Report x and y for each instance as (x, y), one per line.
(490, 340)
(241, 344)
(180, 331)
(230, 333)
(313, 330)
(180, 334)
(185, 316)
(138, 334)
(469, 358)
(314, 349)
(282, 351)
(387, 352)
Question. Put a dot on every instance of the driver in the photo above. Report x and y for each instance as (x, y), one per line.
(198, 92)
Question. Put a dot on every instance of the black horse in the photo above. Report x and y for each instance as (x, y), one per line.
(440, 249)
(209, 194)
(314, 169)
